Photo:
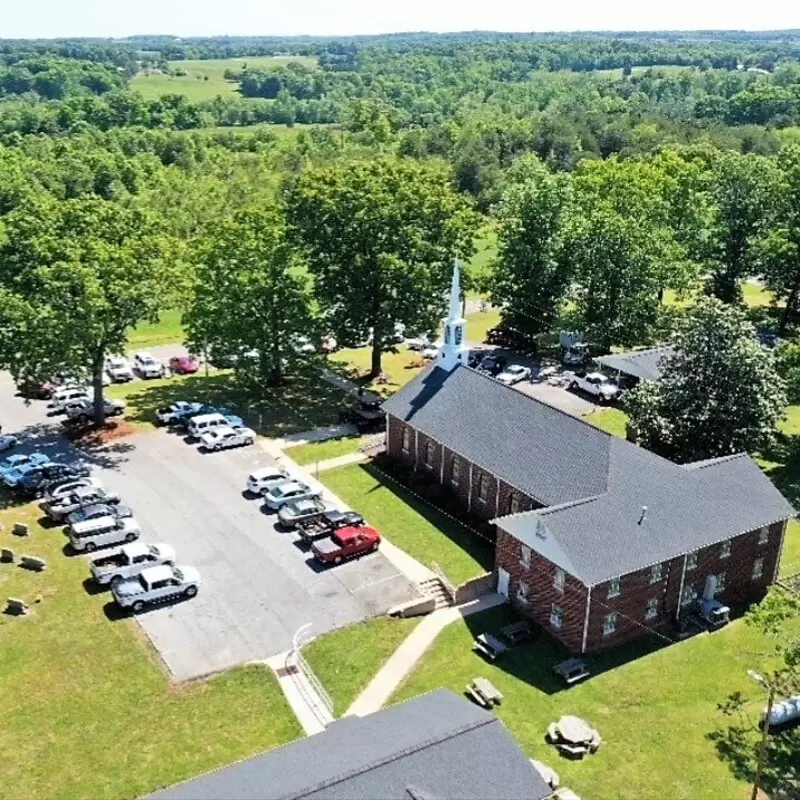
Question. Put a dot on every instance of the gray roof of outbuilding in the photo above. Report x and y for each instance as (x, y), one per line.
(540, 450)
(434, 746)
(688, 508)
(644, 364)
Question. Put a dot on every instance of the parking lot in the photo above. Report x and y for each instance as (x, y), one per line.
(258, 586)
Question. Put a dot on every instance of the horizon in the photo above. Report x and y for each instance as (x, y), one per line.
(114, 19)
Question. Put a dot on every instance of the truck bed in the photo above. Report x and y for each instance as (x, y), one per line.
(326, 548)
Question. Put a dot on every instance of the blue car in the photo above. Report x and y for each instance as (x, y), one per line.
(14, 467)
(234, 420)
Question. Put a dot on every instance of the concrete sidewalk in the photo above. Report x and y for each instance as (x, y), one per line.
(339, 461)
(305, 702)
(405, 658)
(316, 435)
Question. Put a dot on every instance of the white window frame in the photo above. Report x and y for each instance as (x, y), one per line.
(763, 535)
(652, 609)
(556, 616)
(758, 569)
(483, 487)
(525, 556)
(513, 503)
(656, 573)
(721, 581)
(688, 596)
(523, 592)
(610, 623)
(725, 549)
(613, 588)
(559, 579)
(405, 444)
(430, 454)
(455, 471)
(691, 561)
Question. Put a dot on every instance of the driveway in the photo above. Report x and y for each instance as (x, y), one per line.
(258, 587)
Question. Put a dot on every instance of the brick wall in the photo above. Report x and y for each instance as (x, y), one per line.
(542, 593)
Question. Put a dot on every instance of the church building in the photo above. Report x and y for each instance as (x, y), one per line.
(598, 540)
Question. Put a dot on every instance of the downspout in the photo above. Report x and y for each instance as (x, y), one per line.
(441, 471)
(586, 619)
(680, 590)
(469, 496)
(780, 551)
(416, 449)
(497, 498)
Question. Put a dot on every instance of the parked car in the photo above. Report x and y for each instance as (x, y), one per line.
(184, 365)
(183, 416)
(302, 344)
(300, 510)
(418, 343)
(514, 373)
(366, 420)
(262, 480)
(17, 465)
(129, 561)
(204, 423)
(278, 496)
(430, 352)
(595, 384)
(97, 510)
(8, 441)
(119, 369)
(84, 410)
(493, 364)
(65, 486)
(169, 415)
(156, 585)
(38, 479)
(147, 366)
(86, 537)
(224, 438)
(511, 339)
(62, 397)
(346, 543)
(322, 526)
(61, 506)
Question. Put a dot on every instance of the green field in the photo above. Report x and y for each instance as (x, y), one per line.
(89, 712)
(168, 330)
(321, 451)
(206, 79)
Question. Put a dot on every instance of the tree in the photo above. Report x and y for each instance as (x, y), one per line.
(743, 193)
(77, 275)
(779, 251)
(249, 292)
(530, 276)
(380, 237)
(719, 393)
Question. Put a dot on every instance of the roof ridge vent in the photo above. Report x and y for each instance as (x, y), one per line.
(643, 516)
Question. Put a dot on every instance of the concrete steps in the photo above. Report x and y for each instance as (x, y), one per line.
(433, 587)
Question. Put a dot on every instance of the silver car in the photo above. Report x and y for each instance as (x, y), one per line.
(86, 537)
(278, 496)
(224, 438)
(156, 585)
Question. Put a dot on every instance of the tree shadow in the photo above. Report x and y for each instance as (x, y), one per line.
(737, 744)
(783, 467)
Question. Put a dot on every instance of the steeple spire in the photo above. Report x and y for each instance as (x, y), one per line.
(454, 351)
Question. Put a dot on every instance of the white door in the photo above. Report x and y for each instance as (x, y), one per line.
(502, 582)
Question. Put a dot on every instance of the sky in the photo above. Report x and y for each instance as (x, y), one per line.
(118, 18)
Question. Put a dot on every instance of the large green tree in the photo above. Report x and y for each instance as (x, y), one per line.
(380, 237)
(719, 392)
(530, 276)
(250, 292)
(744, 192)
(76, 276)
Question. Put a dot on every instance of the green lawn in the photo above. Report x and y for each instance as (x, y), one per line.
(657, 713)
(346, 660)
(611, 420)
(305, 402)
(321, 451)
(168, 330)
(206, 79)
(411, 524)
(399, 367)
(87, 709)
(486, 249)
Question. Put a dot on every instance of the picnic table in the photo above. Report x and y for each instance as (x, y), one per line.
(484, 693)
(517, 632)
(573, 736)
(489, 645)
(572, 670)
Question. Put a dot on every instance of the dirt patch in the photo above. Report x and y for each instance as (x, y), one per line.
(96, 437)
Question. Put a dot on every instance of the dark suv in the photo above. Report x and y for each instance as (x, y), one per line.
(40, 478)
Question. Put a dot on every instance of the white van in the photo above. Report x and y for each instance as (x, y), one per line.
(63, 397)
(206, 422)
(86, 537)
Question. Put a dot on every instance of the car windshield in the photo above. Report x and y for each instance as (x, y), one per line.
(146, 359)
(516, 370)
(178, 574)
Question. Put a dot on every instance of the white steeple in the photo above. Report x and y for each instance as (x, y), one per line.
(454, 350)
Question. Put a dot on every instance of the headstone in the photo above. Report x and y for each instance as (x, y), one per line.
(21, 529)
(16, 606)
(6, 555)
(33, 563)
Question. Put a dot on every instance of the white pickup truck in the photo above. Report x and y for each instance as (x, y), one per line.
(129, 561)
(595, 384)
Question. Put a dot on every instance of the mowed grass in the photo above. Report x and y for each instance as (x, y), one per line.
(205, 80)
(321, 451)
(168, 330)
(657, 711)
(346, 660)
(87, 709)
(409, 523)
(611, 420)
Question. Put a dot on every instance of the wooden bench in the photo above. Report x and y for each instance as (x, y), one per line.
(33, 563)
(572, 670)
(517, 632)
(16, 606)
(484, 693)
(489, 645)
(6, 555)
(20, 529)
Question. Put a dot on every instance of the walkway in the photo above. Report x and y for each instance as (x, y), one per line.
(316, 435)
(340, 461)
(405, 658)
(307, 705)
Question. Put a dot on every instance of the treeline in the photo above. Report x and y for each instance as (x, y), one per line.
(58, 78)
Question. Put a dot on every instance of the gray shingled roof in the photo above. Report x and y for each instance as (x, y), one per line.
(644, 364)
(435, 746)
(687, 508)
(543, 452)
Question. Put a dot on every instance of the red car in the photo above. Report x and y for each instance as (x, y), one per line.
(346, 543)
(183, 365)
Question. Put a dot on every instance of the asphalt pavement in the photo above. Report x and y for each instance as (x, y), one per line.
(257, 585)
